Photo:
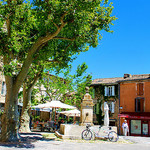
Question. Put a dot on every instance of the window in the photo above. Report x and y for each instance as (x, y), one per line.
(111, 106)
(140, 89)
(3, 91)
(139, 105)
(135, 126)
(109, 90)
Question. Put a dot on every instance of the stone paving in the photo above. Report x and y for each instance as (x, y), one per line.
(36, 141)
(135, 139)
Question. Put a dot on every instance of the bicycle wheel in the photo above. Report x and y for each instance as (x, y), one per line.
(87, 135)
(113, 136)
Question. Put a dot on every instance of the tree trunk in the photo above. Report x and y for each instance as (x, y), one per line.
(26, 110)
(10, 118)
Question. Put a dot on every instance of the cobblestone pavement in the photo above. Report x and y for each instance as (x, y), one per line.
(135, 139)
(35, 141)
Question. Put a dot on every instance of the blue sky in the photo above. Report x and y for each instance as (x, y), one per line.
(127, 50)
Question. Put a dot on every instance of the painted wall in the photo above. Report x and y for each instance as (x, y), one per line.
(128, 93)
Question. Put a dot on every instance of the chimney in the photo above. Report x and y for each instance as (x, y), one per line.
(127, 76)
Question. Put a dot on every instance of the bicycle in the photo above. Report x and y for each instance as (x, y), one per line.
(89, 133)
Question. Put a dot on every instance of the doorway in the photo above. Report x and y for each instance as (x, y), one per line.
(145, 131)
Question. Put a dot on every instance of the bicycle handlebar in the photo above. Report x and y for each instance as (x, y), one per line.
(88, 125)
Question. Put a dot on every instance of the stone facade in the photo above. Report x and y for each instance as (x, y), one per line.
(101, 98)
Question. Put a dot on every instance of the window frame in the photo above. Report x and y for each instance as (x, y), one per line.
(109, 90)
(139, 104)
(111, 105)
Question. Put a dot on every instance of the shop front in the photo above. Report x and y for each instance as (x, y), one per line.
(139, 123)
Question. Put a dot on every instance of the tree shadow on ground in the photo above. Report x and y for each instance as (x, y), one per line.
(27, 140)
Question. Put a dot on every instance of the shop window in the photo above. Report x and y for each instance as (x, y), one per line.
(140, 89)
(109, 90)
(139, 105)
(135, 126)
(145, 127)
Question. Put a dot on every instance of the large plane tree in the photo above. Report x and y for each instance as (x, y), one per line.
(42, 29)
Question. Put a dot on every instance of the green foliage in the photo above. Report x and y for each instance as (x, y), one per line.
(79, 81)
(67, 88)
(47, 30)
(72, 27)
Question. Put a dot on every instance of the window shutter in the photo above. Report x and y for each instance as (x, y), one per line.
(105, 90)
(93, 93)
(141, 86)
(142, 105)
(140, 89)
(135, 105)
(97, 108)
(113, 90)
(113, 107)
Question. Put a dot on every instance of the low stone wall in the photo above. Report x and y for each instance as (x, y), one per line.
(68, 131)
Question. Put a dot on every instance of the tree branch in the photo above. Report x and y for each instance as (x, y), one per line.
(63, 38)
(62, 17)
(36, 46)
(55, 25)
(8, 26)
(36, 77)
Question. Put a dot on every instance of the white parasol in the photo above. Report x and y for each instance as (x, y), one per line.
(54, 104)
(106, 115)
(74, 112)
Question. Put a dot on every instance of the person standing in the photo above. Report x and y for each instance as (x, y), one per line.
(125, 128)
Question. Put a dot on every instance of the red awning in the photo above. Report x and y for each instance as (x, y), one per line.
(134, 116)
(123, 115)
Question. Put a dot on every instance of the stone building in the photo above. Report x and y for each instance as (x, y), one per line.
(106, 91)
(128, 98)
(135, 103)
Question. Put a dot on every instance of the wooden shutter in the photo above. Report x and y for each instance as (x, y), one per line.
(113, 107)
(140, 89)
(142, 105)
(97, 108)
(105, 90)
(113, 90)
(139, 105)
(135, 105)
